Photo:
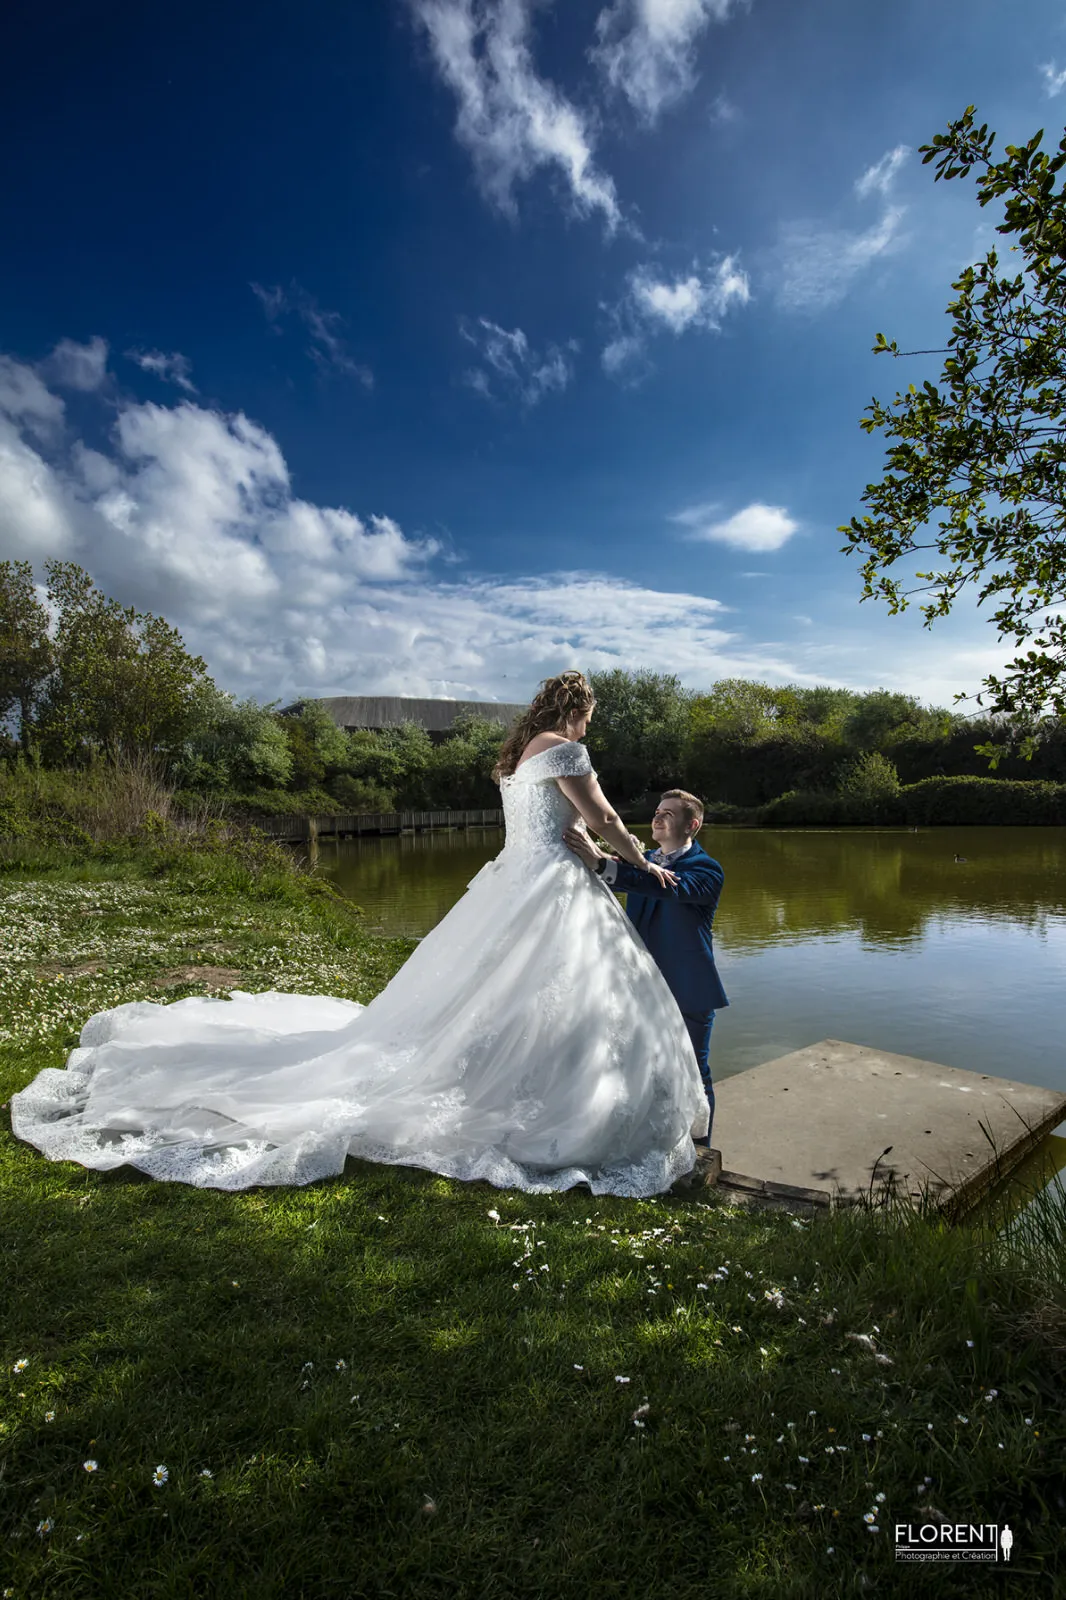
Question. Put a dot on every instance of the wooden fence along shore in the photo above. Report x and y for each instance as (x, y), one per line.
(349, 825)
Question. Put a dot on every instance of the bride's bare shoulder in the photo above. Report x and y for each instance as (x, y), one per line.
(539, 742)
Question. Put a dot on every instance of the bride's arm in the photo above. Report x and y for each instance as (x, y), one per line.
(599, 814)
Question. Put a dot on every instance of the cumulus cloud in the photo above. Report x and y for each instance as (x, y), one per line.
(35, 520)
(512, 122)
(187, 511)
(174, 368)
(697, 300)
(509, 365)
(25, 398)
(756, 527)
(880, 177)
(1054, 80)
(190, 512)
(77, 366)
(327, 348)
(646, 49)
(654, 302)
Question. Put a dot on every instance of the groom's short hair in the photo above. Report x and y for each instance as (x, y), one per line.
(691, 808)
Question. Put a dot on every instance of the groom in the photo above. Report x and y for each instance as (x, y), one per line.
(674, 920)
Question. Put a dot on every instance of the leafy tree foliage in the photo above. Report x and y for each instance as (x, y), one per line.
(638, 730)
(121, 681)
(307, 767)
(977, 464)
(736, 708)
(394, 762)
(331, 745)
(25, 650)
(872, 718)
(234, 744)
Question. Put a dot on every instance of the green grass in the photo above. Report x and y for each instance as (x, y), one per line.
(392, 1397)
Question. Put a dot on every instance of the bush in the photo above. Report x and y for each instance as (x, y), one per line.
(959, 802)
(994, 802)
(100, 802)
(870, 777)
(258, 803)
(360, 795)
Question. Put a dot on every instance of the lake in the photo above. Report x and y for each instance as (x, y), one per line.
(879, 937)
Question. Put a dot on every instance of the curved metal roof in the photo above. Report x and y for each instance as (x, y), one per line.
(386, 710)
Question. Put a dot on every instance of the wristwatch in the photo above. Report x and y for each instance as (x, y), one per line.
(601, 865)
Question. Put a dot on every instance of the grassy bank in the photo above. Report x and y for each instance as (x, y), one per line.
(392, 1384)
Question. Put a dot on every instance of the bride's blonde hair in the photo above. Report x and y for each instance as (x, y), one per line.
(556, 701)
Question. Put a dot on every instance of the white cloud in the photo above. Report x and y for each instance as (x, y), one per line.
(699, 301)
(723, 111)
(653, 302)
(880, 177)
(513, 122)
(273, 301)
(24, 398)
(77, 366)
(190, 513)
(814, 267)
(622, 355)
(327, 348)
(647, 48)
(511, 365)
(1054, 80)
(35, 523)
(174, 368)
(756, 527)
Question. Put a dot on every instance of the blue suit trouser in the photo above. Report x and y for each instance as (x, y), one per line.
(699, 1025)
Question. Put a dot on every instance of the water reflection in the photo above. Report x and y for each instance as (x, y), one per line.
(406, 883)
(781, 886)
(886, 887)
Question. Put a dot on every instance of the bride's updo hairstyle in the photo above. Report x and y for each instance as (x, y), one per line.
(556, 701)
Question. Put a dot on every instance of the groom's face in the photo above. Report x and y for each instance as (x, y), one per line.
(669, 827)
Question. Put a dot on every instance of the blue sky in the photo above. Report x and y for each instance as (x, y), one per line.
(436, 345)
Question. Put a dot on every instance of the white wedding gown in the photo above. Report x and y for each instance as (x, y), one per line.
(530, 1040)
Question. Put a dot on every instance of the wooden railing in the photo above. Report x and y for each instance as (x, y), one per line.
(340, 825)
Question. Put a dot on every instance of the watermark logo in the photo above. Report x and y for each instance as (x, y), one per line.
(954, 1541)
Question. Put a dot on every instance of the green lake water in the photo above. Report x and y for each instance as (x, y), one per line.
(878, 937)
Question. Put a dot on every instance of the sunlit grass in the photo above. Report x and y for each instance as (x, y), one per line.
(393, 1384)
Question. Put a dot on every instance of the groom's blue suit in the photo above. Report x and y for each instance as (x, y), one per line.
(675, 924)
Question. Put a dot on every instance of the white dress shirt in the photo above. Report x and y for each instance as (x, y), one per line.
(610, 867)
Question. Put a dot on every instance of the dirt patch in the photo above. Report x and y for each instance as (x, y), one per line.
(210, 977)
(80, 969)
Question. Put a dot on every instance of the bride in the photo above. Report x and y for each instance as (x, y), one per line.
(530, 1040)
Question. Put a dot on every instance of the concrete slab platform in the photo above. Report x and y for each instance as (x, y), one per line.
(834, 1121)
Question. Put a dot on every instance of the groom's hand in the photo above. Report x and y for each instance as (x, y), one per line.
(577, 840)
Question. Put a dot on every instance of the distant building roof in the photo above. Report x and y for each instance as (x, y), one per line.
(386, 710)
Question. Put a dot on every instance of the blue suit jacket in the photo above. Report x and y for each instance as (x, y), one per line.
(675, 924)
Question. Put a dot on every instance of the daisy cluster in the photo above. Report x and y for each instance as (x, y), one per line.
(70, 950)
(818, 1466)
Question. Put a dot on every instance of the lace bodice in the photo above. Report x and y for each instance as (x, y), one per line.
(535, 809)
